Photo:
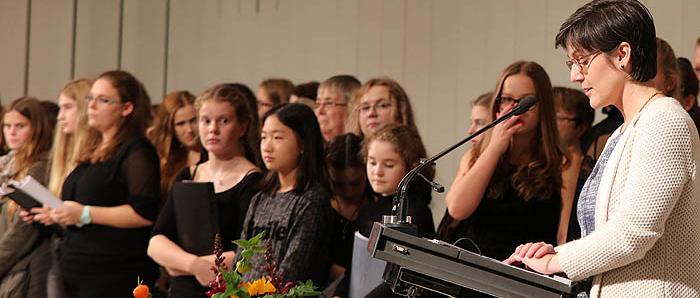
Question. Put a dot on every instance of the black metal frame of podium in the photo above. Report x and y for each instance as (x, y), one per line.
(418, 263)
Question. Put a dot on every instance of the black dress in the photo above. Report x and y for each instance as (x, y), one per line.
(232, 205)
(103, 261)
(498, 226)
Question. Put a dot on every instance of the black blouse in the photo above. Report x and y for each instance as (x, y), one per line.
(497, 226)
(130, 177)
(232, 205)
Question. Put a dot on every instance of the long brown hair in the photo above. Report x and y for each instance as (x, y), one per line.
(542, 175)
(404, 112)
(64, 154)
(172, 153)
(244, 114)
(130, 90)
(39, 142)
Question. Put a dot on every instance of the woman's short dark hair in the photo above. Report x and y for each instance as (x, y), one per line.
(311, 169)
(601, 25)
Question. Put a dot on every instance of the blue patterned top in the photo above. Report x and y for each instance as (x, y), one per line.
(586, 202)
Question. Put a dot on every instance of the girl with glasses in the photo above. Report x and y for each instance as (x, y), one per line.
(513, 175)
(110, 199)
(379, 102)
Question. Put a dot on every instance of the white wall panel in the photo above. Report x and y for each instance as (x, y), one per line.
(97, 44)
(369, 39)
(194, 48)
(13, 52)
(50, 47)
(690, 24)
(143, 44)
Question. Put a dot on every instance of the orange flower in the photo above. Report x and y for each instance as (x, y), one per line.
(260, 287)
(142, 291)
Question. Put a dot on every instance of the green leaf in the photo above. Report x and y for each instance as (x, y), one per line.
(257, 238)
(241, 243)
(247, 254)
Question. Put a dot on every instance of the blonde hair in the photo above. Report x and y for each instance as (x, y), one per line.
(65, 151)
(250, 145)
(397, 95)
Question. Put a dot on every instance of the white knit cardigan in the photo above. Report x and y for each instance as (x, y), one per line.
(646, 241)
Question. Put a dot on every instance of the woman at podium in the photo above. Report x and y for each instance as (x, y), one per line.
(639, 210)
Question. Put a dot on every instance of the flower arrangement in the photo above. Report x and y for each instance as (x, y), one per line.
(231, 283)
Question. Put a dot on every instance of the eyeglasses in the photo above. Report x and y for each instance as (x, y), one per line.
(582, 66)
(504, 101)
(382, 105)
(328, 104)
(101, 100)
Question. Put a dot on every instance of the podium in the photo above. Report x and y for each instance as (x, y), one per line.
(419, 263)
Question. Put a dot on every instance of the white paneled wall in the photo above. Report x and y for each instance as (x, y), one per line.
(444, 52)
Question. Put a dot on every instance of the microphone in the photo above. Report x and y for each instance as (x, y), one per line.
(399, 219)
(524, 105)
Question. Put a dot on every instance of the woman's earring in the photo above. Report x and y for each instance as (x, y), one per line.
(622, 66)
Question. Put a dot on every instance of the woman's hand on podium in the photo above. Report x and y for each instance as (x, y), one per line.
(539, 257)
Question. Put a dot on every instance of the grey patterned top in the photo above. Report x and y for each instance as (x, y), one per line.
(299, 228)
